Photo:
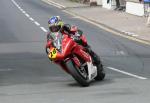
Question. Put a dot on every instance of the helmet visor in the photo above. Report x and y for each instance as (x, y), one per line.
(54, 28)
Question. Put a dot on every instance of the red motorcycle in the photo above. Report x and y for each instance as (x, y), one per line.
(73, 58)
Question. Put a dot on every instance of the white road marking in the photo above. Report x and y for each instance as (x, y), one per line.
(31, 19)
(57, 4)
(130, 74)
(17, 6)
(54, 4)
(120, 53)
(43, 29)
(27, 15)
(130, 33)
(14, 3)
(37, 23)
(21, 9)
(23, 12)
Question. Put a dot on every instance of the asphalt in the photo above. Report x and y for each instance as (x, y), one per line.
(118, 21)
(27, 76)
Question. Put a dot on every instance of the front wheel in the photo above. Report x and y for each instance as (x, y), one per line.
(81, 76)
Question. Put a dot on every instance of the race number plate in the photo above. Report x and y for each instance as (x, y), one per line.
(52, 54)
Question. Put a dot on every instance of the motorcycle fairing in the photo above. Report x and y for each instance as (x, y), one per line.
(92, 71)
(53, 53)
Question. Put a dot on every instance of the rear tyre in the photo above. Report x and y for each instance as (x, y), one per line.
(100, 72)
(77, 75)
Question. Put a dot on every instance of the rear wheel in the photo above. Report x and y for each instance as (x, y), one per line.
(97, 62)
(79, 74)
(100, 72)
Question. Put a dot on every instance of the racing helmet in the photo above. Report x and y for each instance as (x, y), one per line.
(55, 23)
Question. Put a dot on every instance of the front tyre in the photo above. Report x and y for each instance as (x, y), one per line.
(77, 75)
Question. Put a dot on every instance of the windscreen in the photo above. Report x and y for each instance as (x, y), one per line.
(56, 40)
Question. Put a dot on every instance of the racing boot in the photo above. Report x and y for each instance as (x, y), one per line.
(94, 56)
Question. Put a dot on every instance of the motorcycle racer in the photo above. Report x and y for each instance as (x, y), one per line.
(56, 24)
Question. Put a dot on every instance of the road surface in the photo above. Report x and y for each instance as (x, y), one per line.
(27, 76)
